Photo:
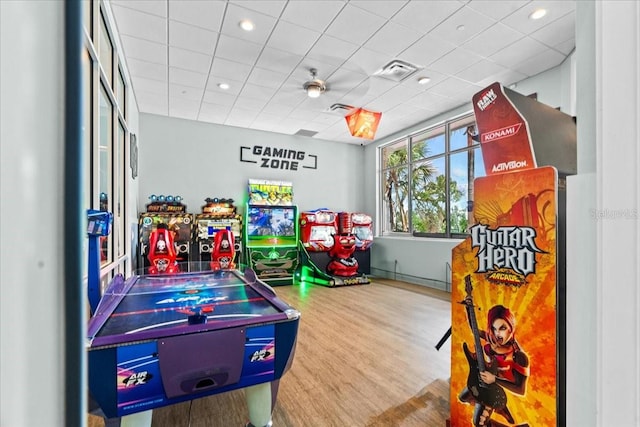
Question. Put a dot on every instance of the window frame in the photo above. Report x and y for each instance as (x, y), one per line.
(411, 143)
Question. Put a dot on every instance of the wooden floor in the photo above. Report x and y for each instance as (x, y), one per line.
(365, 357)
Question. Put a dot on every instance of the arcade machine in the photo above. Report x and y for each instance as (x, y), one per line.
(271, 231)
(334, 248)
(176, 226)
(508, 274)
(218, 215)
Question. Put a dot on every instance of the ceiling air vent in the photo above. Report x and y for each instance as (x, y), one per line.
(396, 70)
(305, 132)
(339, 108)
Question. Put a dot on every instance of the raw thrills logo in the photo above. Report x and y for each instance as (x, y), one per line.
(486, 100)
(506, 254)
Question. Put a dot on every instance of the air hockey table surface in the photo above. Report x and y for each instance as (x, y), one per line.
(157, 340)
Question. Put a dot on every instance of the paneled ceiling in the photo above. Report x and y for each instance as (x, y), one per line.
(179, 52)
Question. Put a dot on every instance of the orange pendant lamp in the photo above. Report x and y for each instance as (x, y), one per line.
(363, 123)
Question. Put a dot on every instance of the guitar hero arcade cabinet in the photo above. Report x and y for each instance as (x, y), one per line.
(508, 278)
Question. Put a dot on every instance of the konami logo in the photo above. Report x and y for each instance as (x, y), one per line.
(500, 133)
(486, 99)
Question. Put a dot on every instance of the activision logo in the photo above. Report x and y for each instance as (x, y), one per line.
(506, 166)
(487, 98)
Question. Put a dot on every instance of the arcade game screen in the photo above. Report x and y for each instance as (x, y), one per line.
(271, 221)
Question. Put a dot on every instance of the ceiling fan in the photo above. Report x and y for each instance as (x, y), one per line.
(315, 87)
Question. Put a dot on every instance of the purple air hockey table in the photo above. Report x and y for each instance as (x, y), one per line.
(156, 340)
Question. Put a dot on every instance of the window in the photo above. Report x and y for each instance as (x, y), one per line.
(106, 134)
(427, 180)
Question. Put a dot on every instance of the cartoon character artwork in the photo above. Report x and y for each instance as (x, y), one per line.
(497, 365)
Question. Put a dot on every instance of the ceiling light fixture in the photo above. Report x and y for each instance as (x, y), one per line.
(223, 86)
(424, 80)
(537, 14)
(315, 87)
(246, 25)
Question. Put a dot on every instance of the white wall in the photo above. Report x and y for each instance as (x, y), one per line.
(198, 160)
(31, 190)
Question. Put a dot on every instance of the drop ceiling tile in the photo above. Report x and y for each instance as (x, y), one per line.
(354, 25)
(219, 98)
(451, 87)
(152, 102)
(424, 16)
(192, 38)
(263, 24)
(203, 14)
(315, 15)
(215, 109)
(249, 102)
(140, 24)
(149, 70)
(188, 60)
(268, 7)
(257, 92)
(144, 50)
(493, 39)
(187, 78)
(462, 26)
(539, 63)
(278, 109)
(266, 78)
(560, 30)
(330, 50)
(566, 47)
(226, 69)
(277, 60)
(392, 39)
(183, 108)
(455, 61)
(156, 7)
(292, 38)
(151, 86)
(518, 52)
(520, 21)
(497, 9)
(384, 9)
(427, 50)
(241, 117)
(186, 92)
(367, 61)
(480, 71)
(237, 50)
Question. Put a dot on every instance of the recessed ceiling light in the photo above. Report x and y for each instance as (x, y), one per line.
(460, 28)
(246, 25)
(538, 13)
(424, 80)
(223, 86)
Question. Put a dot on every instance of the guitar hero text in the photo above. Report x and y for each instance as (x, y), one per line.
(509, 247)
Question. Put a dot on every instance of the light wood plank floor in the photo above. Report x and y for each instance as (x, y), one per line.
(365, 357)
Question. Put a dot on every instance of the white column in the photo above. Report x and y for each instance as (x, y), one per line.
(31, 190)
(259, 403)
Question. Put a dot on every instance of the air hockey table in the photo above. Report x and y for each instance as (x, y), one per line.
(156, 340)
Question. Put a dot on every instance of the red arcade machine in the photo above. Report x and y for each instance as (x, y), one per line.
(217, 214)
(332, 254)
(171, 212)
(162, 253)
(223, 252)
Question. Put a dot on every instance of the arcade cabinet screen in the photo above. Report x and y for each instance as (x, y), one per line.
(323, 233)
(269, 221)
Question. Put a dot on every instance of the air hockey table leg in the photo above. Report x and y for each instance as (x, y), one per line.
(260, 401)
(140, 419)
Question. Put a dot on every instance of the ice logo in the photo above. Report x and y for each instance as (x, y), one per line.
(508, 247)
